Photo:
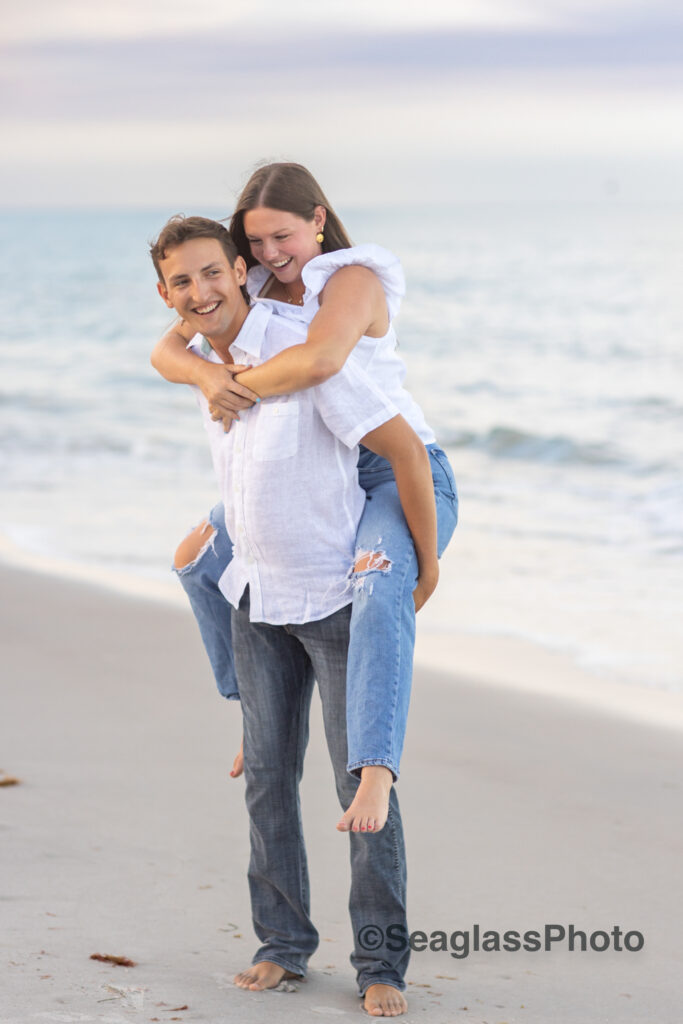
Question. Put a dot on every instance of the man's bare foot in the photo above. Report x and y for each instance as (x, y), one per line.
(384, 1001)
(265, 975)
(370, 806)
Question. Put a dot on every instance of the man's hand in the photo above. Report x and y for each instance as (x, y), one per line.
(426, 585)
(225, 396)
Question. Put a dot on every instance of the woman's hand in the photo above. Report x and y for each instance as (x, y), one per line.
(225, 396)
(426, 585)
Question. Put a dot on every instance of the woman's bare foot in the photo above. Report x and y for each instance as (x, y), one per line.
(267, 975)
(384, 1001)
(368, 812)
(238, 763)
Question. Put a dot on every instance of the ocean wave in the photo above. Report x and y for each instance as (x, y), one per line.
(657, 405)
(512, 443)
(30, 403)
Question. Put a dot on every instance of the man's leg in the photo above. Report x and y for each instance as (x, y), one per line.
(378, 864)
(276, 684)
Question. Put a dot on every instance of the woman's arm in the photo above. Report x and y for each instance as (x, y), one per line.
(397, 442)
(174, 361)
(352, 304)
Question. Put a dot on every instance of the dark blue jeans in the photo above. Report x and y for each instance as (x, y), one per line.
(276, 667)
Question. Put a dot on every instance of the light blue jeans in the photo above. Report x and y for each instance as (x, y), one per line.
(380, 666)
(276, 667)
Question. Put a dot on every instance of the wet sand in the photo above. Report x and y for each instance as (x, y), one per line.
(126, 836)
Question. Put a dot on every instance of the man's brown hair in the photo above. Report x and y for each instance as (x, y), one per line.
(181, 229)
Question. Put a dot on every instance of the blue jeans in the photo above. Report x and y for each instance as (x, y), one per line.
(276, 668)
(380, 669)
(211, 610)
(380, 665)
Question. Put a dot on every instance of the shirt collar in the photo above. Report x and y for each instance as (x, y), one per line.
(250, 337)
(256, 279)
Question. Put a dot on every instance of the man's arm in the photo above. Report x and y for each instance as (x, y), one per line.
(397, 442)
(352, 304)
(176, 363)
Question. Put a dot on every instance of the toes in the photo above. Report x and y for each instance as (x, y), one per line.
(385, 1004)
(259, 978)
(361, 825)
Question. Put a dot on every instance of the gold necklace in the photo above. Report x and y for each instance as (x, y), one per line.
(293, 302)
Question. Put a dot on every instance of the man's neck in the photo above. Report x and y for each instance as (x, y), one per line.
(221, 343)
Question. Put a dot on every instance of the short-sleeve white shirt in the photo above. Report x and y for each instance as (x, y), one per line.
(377, 356)
(287, 472)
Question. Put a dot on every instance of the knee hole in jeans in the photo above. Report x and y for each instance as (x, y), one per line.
(192, 547)
(372, 561)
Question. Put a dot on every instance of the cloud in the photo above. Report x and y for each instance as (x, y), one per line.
(197, 75)
(475, 141)
(147, 116)
(455, 120)
(81, 19)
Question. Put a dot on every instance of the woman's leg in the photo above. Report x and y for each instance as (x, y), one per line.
(380, 664)
(200, 562)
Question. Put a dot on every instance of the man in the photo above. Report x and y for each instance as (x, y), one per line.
(287, 472)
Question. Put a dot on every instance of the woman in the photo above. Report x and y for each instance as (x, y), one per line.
(304, 267)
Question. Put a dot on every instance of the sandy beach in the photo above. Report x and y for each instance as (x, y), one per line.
(126, 836)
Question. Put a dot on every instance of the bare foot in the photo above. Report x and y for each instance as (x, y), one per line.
(384, 1001)
(370, 806)
(238, 763)
(266, 975)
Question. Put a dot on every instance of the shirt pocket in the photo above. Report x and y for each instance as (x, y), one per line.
(277, 432)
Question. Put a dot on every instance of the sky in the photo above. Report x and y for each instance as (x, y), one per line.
(153, 103)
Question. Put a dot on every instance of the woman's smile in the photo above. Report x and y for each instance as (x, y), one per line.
(281, 241)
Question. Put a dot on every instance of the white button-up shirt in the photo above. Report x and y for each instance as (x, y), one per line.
(288, 477)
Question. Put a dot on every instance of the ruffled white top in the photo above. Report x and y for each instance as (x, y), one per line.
(377, 355)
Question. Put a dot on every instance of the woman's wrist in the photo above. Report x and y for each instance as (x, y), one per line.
(428, 569)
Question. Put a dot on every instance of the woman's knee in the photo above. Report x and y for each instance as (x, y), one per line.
(371, 561)
(192, 546)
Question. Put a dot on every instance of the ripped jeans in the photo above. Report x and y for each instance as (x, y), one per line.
(380, 661)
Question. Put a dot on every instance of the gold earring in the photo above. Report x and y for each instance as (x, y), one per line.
(320, 237)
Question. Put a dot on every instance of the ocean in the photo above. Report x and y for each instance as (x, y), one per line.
(543, 342)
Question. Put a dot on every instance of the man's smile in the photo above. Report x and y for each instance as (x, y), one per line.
(205, 310)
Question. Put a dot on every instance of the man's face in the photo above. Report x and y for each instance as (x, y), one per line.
(203, 288)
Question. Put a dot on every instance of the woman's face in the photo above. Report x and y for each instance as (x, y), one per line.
(283, 242)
